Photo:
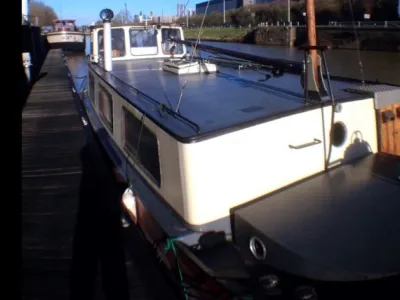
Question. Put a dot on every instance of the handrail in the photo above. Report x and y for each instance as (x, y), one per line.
(158, 104)
(336, 24)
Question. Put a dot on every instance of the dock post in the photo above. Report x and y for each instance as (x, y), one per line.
(26, 59)
(106, 15)
(25, 12)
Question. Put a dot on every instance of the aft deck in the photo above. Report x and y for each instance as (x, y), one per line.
(217, 101)
(339, 226)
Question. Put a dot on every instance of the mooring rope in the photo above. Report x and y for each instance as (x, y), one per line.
(170, 244)
(360, 63)
(191, 58)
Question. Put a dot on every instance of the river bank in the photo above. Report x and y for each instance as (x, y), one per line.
(218, 34)
(336, 38)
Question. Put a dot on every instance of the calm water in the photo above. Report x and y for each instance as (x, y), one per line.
(382, 66)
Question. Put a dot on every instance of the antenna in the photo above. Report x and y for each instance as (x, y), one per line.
(126, 13)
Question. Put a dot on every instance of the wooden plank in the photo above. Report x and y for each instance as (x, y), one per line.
(72, 244)
(396, 131)
(51, 140)
(386, 131)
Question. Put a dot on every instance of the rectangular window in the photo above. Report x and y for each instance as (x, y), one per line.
(117, 41)
(145, 153)
(166, 45)
(143, 41)
(65, 26)
(91, 87)
(106, 107)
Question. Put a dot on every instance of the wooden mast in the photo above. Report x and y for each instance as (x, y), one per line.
(312, 34)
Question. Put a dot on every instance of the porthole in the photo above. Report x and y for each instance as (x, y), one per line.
(257, 248)
(338, 134)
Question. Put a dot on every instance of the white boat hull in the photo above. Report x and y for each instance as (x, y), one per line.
(66, 40)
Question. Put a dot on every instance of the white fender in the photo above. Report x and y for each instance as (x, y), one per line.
(129, 201)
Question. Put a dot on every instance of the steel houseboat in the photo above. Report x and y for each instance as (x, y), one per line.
(250, 177)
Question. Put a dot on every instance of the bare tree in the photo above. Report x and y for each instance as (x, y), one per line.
(45, 14)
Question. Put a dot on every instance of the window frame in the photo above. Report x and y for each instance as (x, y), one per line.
(162, 43)
(92, 88)
(100, 45)
(131, 149)
(145, 54)
(108, 123)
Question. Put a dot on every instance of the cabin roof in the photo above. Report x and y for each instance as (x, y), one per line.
(149, 25)
(217, 102)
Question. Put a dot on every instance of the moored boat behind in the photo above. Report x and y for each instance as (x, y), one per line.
(65, 35)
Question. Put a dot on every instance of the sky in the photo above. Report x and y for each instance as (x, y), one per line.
(87, 11)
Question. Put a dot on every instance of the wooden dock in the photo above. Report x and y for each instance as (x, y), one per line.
(73, 244)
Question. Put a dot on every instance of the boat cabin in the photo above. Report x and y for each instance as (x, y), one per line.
(140, 42)
(210, 141)
(245, 162)
(64, 25)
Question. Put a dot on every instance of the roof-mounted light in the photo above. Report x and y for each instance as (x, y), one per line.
(106, 15)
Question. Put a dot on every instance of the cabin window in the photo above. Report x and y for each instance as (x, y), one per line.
(91, 87)
(61, 25)
(166, 45)
(105, 107)
(91, 45)
(146, 155)
(117, 41)
(143, 41)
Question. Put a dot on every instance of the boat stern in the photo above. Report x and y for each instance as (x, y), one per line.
(387, 107)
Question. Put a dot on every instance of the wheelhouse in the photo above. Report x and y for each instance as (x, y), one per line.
(139, 42)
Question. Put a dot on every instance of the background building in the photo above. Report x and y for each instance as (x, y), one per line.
(218, 5)
(180, 7)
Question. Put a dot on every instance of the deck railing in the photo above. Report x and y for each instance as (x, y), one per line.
(334, 24)
(382, 24)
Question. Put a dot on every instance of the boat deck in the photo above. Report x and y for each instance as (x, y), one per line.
(332, 227)
(70, 207)
(222, 100)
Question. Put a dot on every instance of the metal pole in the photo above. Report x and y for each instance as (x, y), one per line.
(312, 33)
(126, 13)
(187, 19)
(224, 11)
(288, 11)
(107, 45)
